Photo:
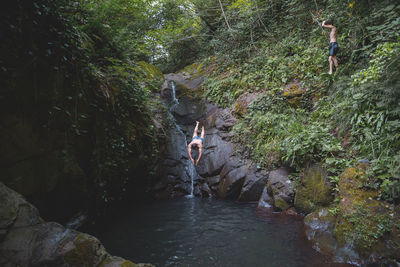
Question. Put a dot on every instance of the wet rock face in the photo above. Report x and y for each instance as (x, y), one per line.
(176, 171)
(27, 240)
(253, 185)
(319, 229)
(220, 172)
(216, 154)
(37, 165)
(281, 189)
(228, 175)
(314, 192)
(265, 200)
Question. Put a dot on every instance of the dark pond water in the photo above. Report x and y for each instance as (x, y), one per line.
(205, 232)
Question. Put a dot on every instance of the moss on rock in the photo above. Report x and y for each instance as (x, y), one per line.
(281, 204)
(293, 92)
(363, 222)
(240, 108)
(87, 251)
(314, 192)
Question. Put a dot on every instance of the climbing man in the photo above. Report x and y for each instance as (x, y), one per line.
(196, 143)
(333, 45)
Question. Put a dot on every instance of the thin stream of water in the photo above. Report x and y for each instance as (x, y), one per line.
(190, 168)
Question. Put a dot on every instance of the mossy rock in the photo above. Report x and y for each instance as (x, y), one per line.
(243, 102)
(314, 192)
(295, 101)
(364, 222)
(293, 92)
(87, 251)
(182, 90)
(240, 108)
(281, 204)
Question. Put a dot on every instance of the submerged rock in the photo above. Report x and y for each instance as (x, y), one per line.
(26, 240)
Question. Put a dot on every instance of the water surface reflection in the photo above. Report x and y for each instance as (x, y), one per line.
(205, 232)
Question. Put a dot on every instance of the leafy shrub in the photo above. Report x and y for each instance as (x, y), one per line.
(309, 142)
(369, 107)
(276, 129)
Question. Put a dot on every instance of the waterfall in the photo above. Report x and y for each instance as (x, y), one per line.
(190, 168)
(174, 99)
(192, 174)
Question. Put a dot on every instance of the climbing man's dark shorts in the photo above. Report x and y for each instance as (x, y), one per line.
(333, 48)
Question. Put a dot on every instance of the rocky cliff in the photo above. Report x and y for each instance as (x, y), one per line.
(221, 172)
(224, 173)
(27, 240)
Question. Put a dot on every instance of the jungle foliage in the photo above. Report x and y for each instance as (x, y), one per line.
(79, 68)
(339, 120)
(74, 72)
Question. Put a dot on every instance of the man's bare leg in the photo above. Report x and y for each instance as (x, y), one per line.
(196, 129)
(202, 132)
(330, 64)
(335, 61)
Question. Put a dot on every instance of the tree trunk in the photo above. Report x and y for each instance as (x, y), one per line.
(226, 20)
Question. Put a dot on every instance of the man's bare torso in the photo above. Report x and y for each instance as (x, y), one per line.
(333, 35)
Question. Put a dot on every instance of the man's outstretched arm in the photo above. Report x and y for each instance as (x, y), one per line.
(190, 153)
(326, 26)
(200, 153)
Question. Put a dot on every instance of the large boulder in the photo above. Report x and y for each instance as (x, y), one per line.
(232, 180)
(185, 80)
(315, 190)
(188, 110)
(26, 240)
(217, 153)
(281, 189)
(253, 185)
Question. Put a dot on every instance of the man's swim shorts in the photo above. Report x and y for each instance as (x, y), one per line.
(333, 48)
